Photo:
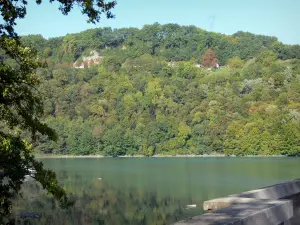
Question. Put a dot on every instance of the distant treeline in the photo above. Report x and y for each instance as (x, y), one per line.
(171, 42)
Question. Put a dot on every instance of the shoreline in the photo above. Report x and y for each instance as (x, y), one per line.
(157, 156)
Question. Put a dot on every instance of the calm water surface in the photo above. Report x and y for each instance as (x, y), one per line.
(148, 190)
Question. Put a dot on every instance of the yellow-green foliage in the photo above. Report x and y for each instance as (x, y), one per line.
(229, 111)
(150, 95)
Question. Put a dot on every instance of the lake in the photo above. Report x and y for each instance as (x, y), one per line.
(147, 190)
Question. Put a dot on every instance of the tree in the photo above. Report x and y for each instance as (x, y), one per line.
(21, 105)
(266, 58)
(235, 63)
(112, 64)
(12, 10)
(209, 58)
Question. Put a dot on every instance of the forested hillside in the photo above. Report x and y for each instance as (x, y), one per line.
(149, 94)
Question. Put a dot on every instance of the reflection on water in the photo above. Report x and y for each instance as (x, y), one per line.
(97, 203)
(146, 190)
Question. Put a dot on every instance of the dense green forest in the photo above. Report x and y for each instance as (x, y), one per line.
(149, 95)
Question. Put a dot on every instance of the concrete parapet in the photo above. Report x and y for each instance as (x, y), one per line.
(252, 213)
(272, 205)
(220, 203)
(277, 191)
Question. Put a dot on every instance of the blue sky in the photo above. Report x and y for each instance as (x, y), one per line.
(270, 17)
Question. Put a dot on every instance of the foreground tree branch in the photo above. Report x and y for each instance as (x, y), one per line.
(21, 106)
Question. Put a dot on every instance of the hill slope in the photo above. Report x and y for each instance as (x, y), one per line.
(137, 102)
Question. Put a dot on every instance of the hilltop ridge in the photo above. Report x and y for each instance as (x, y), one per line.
(170, 41)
